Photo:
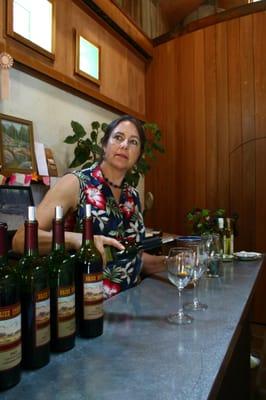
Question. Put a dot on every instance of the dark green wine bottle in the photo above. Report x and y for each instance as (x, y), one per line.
(10, 319)
(35, 299)
(62, 289)
(89, 283)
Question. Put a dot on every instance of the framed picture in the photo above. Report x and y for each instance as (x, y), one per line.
(14, 202)
(16, 146)
(87, 63)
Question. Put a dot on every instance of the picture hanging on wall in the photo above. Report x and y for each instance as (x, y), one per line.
(16, 146)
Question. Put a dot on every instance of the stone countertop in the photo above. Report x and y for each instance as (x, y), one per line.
(141, 356)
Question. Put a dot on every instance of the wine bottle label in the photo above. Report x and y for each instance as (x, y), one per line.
(66, 324)
(42, 316)
(10, 336)
(93, 296)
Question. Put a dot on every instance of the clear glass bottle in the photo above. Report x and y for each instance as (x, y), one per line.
(35, 299)
(10, 318)
(62, 289)
(228, 242)
(89, 283)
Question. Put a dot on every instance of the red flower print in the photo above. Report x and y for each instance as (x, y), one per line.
(95, 197)
(128, 208)
(110, 288)
(97, 173)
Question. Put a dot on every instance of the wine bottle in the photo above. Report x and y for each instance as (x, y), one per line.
(89, 283)
(10, 318)
(228, 239)
(62, 289)
(35, 299)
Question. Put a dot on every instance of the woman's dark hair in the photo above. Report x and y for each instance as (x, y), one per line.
(113, 125)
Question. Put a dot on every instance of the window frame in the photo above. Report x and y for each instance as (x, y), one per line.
(80, 72)
(21, 39)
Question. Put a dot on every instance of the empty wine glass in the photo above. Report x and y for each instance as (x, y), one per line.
(200, 267)
(180, 266)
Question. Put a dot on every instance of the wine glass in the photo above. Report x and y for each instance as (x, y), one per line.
(200, 267)
(180, 266)
(215, 255)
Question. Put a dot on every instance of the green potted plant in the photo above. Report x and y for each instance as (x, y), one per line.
(88, 149)
(203, 220)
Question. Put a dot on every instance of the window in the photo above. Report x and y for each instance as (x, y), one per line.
(87, 59)
(31, 22)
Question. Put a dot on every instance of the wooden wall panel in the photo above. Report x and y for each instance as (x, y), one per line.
(222, 116)
(221, 88)
(259, 45)
(247, 78)
(200, 162)
(211, 117)
(234, 87)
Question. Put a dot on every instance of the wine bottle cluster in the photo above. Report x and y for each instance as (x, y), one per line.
(46, 301)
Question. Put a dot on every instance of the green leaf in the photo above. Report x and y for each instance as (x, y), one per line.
(78, 129)
(71, 139)
(205, 212)
(158, 147)
(104, 126)
(95, 125)
(94, 136)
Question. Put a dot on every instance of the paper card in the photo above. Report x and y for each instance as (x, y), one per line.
(41, 159)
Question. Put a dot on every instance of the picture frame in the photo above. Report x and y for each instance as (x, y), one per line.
(87, 59)
(14, 202)
(16, 146)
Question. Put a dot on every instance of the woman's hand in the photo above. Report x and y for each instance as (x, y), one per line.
(100, 241)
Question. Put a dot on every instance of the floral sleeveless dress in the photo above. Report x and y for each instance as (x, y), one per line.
(119, 221)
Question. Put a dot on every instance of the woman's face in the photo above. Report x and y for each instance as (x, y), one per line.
(123, 147)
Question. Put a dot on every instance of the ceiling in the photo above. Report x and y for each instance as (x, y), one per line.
(176, 10)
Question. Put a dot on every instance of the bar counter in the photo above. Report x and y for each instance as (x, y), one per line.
(142, 356)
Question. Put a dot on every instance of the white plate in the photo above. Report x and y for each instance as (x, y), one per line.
(247, 255)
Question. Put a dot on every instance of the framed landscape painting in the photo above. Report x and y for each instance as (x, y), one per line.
(16, 146)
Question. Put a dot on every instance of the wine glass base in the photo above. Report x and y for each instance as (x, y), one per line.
(178, 319)
(213, 275)
(195, 306)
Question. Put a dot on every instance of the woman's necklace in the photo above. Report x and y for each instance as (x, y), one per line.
(112, 183)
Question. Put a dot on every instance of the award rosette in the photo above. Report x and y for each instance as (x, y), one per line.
(6, 62)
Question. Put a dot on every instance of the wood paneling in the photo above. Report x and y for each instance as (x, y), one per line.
(217, 157)
(122, 68)
(216, 113)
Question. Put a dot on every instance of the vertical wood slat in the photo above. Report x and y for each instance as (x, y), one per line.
(200, 162)
(247, 220)
(234, 88)
(222, 116)
(259, 44)
(211, 117)
(187, 181)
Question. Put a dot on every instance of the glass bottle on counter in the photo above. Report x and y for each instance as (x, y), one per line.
(62, 289)
(228, 240)
(35, 299)
(10, 318)
(89, 283)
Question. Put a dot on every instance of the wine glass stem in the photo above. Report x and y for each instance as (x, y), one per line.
(196, 299)
(180, 311)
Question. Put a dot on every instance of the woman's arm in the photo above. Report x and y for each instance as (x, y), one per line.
(66, 194)
(153, 263)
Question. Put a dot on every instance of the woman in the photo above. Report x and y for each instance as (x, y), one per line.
(115, 204)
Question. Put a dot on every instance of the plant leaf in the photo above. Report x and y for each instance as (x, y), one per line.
(78, 129)
(71, 139)
(95, 125)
